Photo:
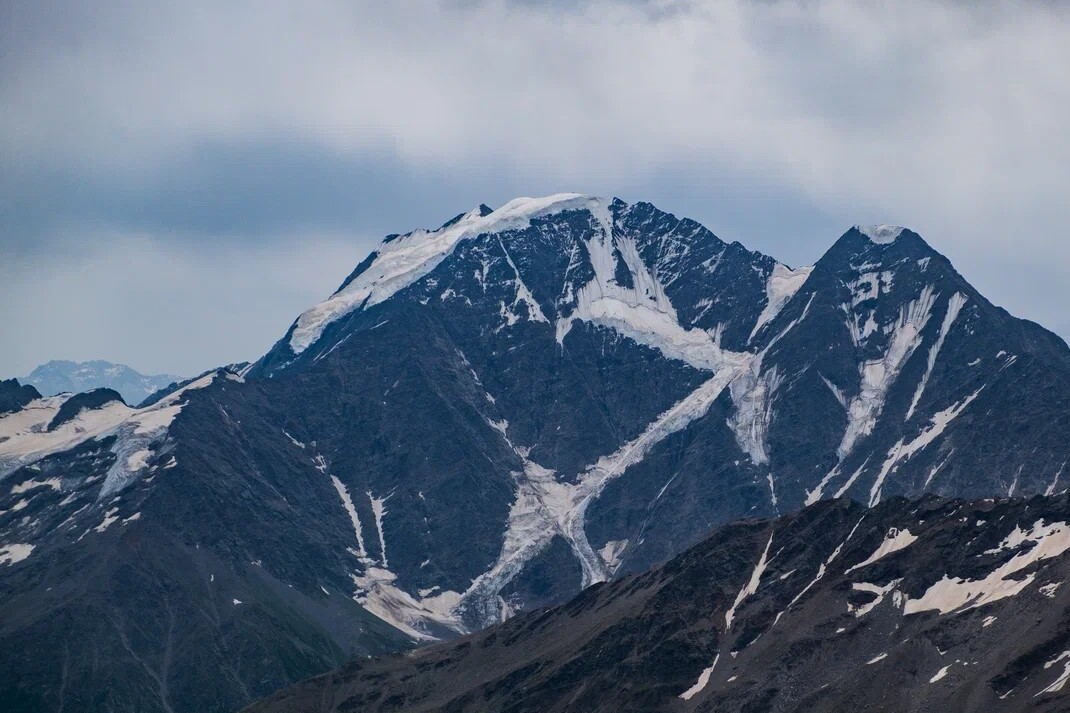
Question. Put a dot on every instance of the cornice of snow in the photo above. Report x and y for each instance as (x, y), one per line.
(403, 260)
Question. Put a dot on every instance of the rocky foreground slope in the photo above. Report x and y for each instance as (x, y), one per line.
(910, 606)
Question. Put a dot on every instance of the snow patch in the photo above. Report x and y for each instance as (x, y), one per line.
(703, 680)
(782, 285)
(10, 554)
(940, 674)
(138, 459)
(882, 234)
(894, 541)
(952, 594)
(611, 554)
(53, 483)
(879, 593)
(109, 518)
(376, 592)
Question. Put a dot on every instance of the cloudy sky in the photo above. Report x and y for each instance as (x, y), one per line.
(176, 184)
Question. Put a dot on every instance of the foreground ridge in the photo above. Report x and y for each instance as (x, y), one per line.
(910, 606)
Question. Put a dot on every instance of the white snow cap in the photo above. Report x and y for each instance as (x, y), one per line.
(404, 260)
(880, 234)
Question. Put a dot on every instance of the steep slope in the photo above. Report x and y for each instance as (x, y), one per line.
(488, 417)
(910, 606)
(132, 581)
(60, 376)
(885, 373)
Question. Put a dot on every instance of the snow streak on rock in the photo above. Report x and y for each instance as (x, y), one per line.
(753, 399)
(954, 306)
(821, 570)
(894, 541)
(641, 312)
(879, 375)
(1058, 683)
(545, 507)
(703, 680)
(347, 503)
(751, 586)
(901, 451)
(782, 285)
(379, 510)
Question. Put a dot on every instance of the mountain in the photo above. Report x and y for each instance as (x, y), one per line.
(14, 396)
(57, 377)
(910, 606)
(486, 418)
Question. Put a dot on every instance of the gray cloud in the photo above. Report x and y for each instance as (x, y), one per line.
(199, 134)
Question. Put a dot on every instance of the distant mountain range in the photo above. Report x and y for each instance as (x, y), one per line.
(490, 417)
(59, 376)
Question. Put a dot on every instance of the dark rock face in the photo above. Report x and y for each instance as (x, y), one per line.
(59, 376)
(909, 606)
(97, 398)
(13, 396)
(490, 417)
(157, 597)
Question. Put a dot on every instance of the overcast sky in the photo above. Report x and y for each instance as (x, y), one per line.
(177, 184)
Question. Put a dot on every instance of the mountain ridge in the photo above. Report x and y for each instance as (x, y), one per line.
(480, 423)
(60, 376)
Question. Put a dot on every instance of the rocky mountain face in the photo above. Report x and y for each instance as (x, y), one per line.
(486, 418)
(59, 376)
(909, 606)
(13, 395)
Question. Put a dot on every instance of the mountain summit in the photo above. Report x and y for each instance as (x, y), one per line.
(488, 417)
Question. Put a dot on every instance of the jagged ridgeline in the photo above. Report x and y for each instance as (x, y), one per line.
(486, 418)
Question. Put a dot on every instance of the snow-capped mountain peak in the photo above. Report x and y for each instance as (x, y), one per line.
(514, 405)
(881, 234)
